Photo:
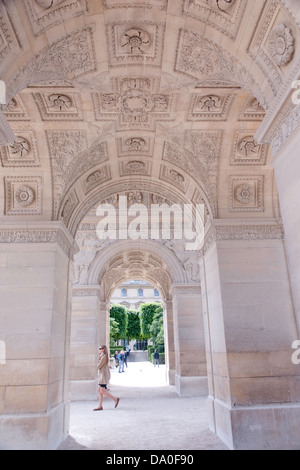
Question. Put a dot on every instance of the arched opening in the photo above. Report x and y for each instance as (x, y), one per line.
(153, 123)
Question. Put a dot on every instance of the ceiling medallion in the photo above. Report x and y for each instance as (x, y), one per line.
(245, 194)
(281, 44)
(24, 196)
(135, 41)
(136, 102)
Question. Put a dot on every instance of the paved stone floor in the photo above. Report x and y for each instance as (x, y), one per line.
(150, 416)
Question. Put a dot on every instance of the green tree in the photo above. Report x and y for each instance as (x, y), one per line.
(113, 330)
(119, 314)
(147, 312)
(133, 329)
(157, 330)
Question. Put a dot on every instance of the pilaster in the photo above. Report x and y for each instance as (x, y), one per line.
(35, 314)
(191, 373)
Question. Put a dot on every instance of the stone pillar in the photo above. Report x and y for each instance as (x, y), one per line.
(35, 318)
(169, 342)
(250, 326)
(191, 373)
(85, 340)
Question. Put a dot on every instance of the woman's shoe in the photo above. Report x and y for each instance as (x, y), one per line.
(98, 409)
(118, 399)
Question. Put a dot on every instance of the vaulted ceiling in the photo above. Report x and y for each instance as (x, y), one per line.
(157, 100)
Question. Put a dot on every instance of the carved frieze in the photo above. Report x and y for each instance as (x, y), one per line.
(135, 43)
(162, 4)
(23, 195)
(246, 194)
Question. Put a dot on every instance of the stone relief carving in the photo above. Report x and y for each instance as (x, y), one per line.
(56, 106)
(253, 110)
(135, 197)
(247, 151)
(22, 152)
(22, 195)
(281, 44)
(134, 106)
(202, 58)
(247, 194)
(15, 110)
(209, 107)
(67, 58)
(173, 177)
(135, 42)
(44, 14)
(224, 15)
(20, 147)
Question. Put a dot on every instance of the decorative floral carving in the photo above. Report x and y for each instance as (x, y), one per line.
(177, 177)
(20, 147)
(135, 197)
(135, 143)
(135, 167)
(135, 40)
(94, 177)
(210, 103)
(248, 146)
(136, 102)
(245, 194)
(60, 102)
(281, 44)
(24, 196)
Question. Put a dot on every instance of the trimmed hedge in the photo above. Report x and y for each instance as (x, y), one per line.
(161, 358)
(114, 349)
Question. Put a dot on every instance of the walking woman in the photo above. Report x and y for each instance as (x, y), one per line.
(103, 378)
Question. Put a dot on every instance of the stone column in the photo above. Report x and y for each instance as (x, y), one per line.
(85, 340)
(191, 373)
(169, 341)
(35, 318)
(250, 326)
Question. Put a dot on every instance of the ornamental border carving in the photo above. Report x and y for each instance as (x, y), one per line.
(38, 232)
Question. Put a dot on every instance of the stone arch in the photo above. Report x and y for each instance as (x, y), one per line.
(174, 268)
